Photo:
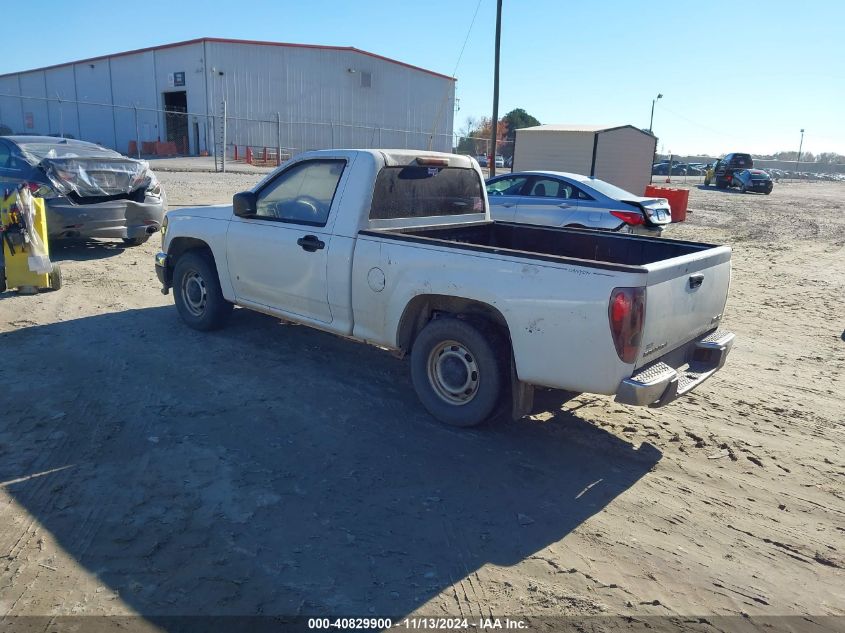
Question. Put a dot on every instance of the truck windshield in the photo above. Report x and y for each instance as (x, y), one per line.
(416, 191)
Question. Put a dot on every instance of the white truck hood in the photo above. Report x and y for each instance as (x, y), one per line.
(215, 212)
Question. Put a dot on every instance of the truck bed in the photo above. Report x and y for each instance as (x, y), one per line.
(591, 248)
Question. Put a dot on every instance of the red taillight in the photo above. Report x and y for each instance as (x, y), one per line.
(728, 177)
(629, 217)
(33, 186)
(626, 313)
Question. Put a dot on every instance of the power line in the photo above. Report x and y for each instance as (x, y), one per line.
(466, 39)
(454, 72)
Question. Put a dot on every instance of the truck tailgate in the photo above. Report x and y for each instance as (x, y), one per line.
(685, 297)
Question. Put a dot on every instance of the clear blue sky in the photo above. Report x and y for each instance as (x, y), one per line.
(736, 76)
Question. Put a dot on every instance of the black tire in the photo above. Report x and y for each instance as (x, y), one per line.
(135, 241)
(197, 294)
(457, 371)
(2, 278)
(55, 277)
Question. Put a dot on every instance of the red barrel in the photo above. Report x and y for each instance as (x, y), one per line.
(678, 200)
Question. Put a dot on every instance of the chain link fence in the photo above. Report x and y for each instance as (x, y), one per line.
(145, 132)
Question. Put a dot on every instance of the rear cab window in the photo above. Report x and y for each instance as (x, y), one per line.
(418, 191)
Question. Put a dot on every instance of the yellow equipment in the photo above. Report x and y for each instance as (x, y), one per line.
(23, 230)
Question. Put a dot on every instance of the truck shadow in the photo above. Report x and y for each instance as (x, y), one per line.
(271, 469)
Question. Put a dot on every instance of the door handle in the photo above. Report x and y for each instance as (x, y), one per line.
(564, 205)
(507, 205)
(695, 281)
(310, 243)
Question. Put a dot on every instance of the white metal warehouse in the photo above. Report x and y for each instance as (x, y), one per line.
(621, 155)
(292, 96)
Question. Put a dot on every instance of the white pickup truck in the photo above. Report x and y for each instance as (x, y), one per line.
(396, 248)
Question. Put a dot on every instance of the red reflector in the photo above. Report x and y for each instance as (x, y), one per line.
(629, 217)
(626, 313)
(33, 186)
(431, 160)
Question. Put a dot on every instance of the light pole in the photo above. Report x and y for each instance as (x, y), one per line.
(650, 123)
(651, 120)
(800, 147)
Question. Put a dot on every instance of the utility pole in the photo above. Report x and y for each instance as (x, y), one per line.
(492, 163)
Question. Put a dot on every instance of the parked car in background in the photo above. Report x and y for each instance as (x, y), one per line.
(500, 161)
(552, 198)
(730, 164)
(661, 168)
(88, 190)
(482, 160)
(755, 180)
(683, 169)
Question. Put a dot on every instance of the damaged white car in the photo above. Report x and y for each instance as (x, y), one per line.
(89, 191)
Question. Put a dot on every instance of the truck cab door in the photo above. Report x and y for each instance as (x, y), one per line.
(278, 257)
(548, 202)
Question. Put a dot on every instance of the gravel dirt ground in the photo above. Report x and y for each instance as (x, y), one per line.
(149, 469)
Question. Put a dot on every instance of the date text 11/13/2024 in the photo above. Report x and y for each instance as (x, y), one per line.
(420, 623)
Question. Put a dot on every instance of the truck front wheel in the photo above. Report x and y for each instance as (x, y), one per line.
(196, 291)
(456, 372)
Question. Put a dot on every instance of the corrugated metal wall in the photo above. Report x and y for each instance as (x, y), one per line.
(324, 97)
(310, 85)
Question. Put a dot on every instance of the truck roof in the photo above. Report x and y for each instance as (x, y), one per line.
(395, 157)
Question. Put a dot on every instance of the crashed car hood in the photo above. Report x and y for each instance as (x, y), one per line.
(88, 177)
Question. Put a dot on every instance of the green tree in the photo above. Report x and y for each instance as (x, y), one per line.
(515, 119)
(474, 136)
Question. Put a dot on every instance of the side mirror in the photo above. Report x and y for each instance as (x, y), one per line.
(244, 204)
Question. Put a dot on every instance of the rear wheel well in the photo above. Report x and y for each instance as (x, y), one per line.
(423, 308)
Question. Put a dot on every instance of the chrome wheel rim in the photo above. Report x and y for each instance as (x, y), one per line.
(453, 373)
(194, 293)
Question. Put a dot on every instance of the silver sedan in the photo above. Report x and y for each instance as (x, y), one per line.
(553, 198)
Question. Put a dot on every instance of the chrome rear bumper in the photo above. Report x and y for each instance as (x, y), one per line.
(658, 383)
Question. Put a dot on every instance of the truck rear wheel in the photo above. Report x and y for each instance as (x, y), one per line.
(456, 372)
(196, 291)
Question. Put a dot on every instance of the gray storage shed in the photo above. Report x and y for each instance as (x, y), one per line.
(621, 155)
